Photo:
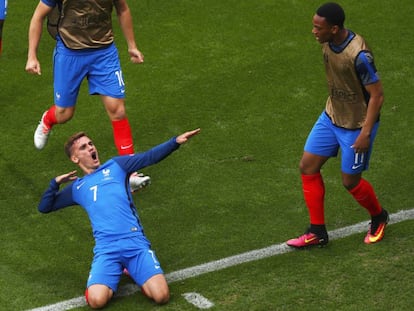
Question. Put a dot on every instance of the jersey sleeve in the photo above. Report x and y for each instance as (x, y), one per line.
(51, 3)
(138, 161)
(366, 69)
(53, 199)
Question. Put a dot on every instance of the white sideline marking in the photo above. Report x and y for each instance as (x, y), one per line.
(220, 264)
(198, 300)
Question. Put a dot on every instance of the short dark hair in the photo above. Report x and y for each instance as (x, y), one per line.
(71, 140)
(333, 13)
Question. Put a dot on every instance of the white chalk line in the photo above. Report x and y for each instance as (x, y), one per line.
(197, 300)
(273, 250)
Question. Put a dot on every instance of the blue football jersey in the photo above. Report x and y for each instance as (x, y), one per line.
(105, 194)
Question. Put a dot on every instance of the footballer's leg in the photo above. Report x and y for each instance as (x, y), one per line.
(115, 108)
(41, 134)
(320, 145)
(103, 277)
(156, 288)
(122, 134)
(353, 165)
(105, 78)
(54, 115)
(98, 295)
(66, 83)
(144, 268)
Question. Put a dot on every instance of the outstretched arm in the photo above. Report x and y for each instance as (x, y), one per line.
(155, 154)
(183, 138)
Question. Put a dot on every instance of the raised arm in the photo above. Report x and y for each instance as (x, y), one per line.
(53, 199)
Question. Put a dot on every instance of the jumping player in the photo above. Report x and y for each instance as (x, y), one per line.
(85, 49)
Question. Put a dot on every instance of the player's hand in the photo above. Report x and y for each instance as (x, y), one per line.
(66, 177)
(361, 144)
(136, 56)
(183, 138)
(33, 67)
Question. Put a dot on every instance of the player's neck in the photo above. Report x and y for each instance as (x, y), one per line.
(340, 37)
(87, 170)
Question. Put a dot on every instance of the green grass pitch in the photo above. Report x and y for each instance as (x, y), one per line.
(250, 74)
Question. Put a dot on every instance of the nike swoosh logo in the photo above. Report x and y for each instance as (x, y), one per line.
(310, 240)
(126, 147)
(354, 167)
(378, 234)
(78, 187)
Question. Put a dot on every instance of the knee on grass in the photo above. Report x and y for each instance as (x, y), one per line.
(98, 297)
(156, 288)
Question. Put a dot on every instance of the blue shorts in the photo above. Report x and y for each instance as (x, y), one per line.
(132, 253)
(3, 9)
(101, 67)
(325, 139)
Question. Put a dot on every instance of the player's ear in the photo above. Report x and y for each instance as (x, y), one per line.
(335, 29)
(74, 159)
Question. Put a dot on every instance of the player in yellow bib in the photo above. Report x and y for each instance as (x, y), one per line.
(349, 123)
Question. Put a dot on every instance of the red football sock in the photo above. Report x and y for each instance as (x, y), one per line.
(364, 194)
(314, 194)
(123, 136)
(50, 117)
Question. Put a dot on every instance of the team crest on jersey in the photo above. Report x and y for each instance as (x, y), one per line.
(106, 173)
